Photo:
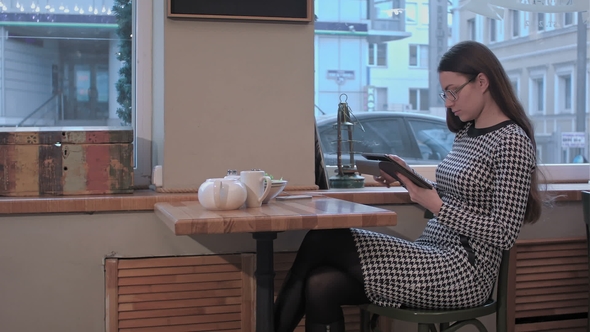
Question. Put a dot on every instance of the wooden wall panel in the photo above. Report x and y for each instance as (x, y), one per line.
(111, 294)
(572, 325)
(551, 279)
(196, 293)
(192, 293)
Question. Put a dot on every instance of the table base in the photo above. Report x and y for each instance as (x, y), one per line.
(265, 275)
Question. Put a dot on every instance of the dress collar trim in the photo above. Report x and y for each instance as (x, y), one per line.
(474, 132)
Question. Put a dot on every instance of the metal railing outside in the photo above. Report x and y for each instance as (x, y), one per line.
(50, 112)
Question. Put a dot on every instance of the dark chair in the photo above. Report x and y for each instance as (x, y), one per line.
(448, 320)
(586, 206)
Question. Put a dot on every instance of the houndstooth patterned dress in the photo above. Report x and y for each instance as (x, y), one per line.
(484, 185)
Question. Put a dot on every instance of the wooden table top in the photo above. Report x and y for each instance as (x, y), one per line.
(189, 217)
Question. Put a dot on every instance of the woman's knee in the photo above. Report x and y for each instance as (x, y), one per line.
(319, 285)
(326, 286)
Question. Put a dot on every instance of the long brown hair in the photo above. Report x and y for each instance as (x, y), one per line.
(471, 58)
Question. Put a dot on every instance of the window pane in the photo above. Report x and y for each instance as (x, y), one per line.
(61, 63)
(568, 19)
(536, 44)
(371, 54)
(539, 94)
(82, 82)
(382, 55)
(424, 14)
(414, 99)
(515, 23)
(383, 9)
(381, 103)
(514, 86)
(492, 30)
(541, 21)
(424, 103)
(423, 56)
(567, 92)
(471, 29)
(411, 13)
(413, 55)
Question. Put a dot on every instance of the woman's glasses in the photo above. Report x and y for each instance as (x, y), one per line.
(452, 94)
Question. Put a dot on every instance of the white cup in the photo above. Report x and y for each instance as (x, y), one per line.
(255, 186)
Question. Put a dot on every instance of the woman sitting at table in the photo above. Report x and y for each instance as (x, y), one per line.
(485, 189)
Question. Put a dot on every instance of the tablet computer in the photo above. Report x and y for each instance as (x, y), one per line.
(379, 161)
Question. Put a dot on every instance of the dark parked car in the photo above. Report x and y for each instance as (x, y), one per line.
(418, 138)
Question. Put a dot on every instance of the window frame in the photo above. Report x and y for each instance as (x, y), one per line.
(561, 72)
(472, 29)
(587, 87)
(493, 30)
(419, 48)
(419, 92)
(515, 78)
(374, 55)
(541, 23)
(414, 20)
(423, 14)
(515, 23)
(376, 11)
(381, 94)
(535, 75)
(573, 19)
(552, 173)
(142, 92)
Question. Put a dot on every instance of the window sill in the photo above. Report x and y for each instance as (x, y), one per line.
(144, 200)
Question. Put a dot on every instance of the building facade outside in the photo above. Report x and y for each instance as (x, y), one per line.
(353, 46)
(394, 67)
(536, 42)
(539, 51)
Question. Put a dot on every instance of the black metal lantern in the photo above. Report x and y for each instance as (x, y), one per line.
(346, 174)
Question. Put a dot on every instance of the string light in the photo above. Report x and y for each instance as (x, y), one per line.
(83, 7)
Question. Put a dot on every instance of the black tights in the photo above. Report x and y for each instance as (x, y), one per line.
(329, 263)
